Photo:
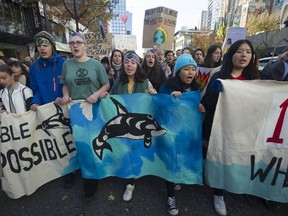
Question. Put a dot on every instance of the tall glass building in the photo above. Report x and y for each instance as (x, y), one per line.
(118, 24)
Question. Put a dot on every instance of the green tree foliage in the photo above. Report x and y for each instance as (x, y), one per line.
(84, 12)
(262, 22)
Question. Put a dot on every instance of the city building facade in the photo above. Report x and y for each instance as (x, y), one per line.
(237, 12)
(118, 23)
(203, 24)
(20, 22)
(183, 38)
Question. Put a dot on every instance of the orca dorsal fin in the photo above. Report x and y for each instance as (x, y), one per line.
(58, 108)
(120, 108)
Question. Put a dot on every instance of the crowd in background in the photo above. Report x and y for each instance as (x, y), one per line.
(27, 84)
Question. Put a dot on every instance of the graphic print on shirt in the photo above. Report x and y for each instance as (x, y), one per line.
(56, 121)
(127, 125)
(81, 79)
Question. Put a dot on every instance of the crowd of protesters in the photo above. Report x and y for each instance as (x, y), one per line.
(27, 84)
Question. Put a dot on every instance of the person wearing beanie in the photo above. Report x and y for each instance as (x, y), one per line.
(182, 81)
(45, 74)
(44, 37)
(45, 71)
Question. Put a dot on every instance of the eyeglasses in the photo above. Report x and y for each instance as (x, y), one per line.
(77, 43)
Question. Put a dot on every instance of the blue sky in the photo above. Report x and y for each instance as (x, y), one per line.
(189, 12)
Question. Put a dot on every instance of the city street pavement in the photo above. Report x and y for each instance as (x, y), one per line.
(149, 199)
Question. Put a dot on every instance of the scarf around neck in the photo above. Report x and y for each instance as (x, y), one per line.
(117, 67)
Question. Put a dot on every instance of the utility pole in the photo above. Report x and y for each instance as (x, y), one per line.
(271, 6)
(47, 28)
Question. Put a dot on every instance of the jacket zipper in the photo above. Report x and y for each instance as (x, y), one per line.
(54, 84)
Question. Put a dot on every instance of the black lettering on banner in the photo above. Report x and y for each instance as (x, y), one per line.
(263, 174)
(285, 183)
(49, 148)
(42, 150)
(36, 153)
(11, 162)
(22, 158)
(4, 134)
(3, 161)
(12, 133)
(22, 131)
(278, 171)
(68, 142)
(8, 133)
(58, 150)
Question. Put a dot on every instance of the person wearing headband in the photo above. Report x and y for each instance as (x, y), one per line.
(132, 80)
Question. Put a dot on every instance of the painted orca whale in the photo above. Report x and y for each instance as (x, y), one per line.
(57, 120)
(127, 125)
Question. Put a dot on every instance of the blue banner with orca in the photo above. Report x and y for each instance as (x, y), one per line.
(135, 135)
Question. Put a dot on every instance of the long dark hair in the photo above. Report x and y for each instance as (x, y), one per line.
(24, 71)
(249, 72)
(199, 49)
(139, 75)
(208, 61)
(113, 51)
(6, 69)
(20, 64)
(154, 73)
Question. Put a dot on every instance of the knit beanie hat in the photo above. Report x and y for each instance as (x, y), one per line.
(183, 61)
(45, 35)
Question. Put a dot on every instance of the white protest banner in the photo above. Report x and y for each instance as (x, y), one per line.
(36, 147)
(128, 42)
(233, 34)
(248, 147)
